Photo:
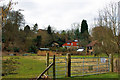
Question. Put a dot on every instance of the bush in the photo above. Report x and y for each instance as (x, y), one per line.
(9, 66)
(61, 49)
(15, 49)
(32, 49)
(9, 49)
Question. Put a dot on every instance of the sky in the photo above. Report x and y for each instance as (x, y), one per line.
(60, 14)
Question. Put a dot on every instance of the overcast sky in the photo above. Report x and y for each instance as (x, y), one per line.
(60, 14)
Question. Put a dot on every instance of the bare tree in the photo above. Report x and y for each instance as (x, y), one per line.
(108, 17)
(6, 9)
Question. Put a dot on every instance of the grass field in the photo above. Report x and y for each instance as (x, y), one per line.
(106, 75)
(32, 66)
(29, 67)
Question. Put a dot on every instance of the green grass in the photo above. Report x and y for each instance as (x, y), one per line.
(105, 75)
(32, 66)
(28, 68)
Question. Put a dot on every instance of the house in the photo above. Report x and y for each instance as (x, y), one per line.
(55, 44)
(69, 44)
(90, 47)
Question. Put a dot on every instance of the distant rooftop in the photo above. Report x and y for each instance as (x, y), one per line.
(92, 43)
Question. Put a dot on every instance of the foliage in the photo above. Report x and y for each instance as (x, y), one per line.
(32, 49)
(38, 41)
(77, 34)
(108, 17)
(27, 28)
(15, 49)
(8, 49)
(35, 28)
(9, 66)
(106, 40)
(10, 29)
(20, 37)
(61, 49)
(49, 30)
(6, 9)
(84, 26)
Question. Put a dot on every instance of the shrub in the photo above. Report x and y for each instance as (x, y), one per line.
(32, 49)
(15, 49)
(9, 49)
(61, 49)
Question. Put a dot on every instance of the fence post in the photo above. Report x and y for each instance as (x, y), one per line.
(111, 62)
(53, 66)
(83, 66)
(47, 61)
(97, 64)
(68, 65)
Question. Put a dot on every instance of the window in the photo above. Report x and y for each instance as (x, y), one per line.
(71, 44)
(90, 47)
(68, 43)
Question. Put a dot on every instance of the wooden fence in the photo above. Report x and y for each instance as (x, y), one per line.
(71, 66)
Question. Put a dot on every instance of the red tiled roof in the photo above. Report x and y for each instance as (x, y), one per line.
(91, 43)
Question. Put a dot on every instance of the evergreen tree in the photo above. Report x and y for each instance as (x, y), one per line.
(84, 26)
(77, 34)
(38, 41)
(49, 30)
(35, 28)
(27, 30)
(84, 33)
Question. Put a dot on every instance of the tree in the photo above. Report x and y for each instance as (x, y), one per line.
(109, 17)
(35, 28)
(63, 36)
(85, 37)
(6, 10)
(27, 30)
(74, 32)
(10, 29)
(77, 34)
(84, 26)
(38, 41)
(119, 44)
(11, 24)
(49, 30)
(105, 38)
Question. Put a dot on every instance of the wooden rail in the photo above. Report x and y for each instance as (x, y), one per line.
(39, 77)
